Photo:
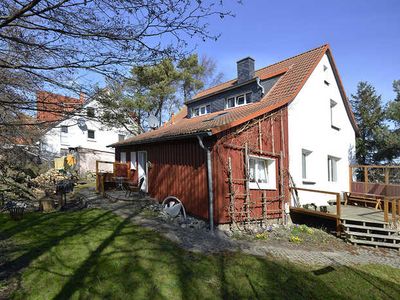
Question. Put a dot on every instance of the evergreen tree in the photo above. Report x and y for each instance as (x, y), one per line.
(393, 116)
(370, 117)
(190, 75)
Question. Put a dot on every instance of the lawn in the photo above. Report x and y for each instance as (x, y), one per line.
(94, 254)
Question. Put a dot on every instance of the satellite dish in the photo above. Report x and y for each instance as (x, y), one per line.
(152, 121)
(82, 124)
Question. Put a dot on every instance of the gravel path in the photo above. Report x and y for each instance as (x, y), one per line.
(200, 240)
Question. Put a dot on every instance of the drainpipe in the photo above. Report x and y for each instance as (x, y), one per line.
(210, 184)
(259, 84)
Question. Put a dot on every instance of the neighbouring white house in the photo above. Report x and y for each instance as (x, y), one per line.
(81, 133)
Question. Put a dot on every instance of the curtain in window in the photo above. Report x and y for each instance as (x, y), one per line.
(262, 172)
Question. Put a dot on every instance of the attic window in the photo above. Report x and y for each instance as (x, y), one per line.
(64, 129)
(201, 110)
(333, 115)
(237, 100)
(325, 68)
(90, 112)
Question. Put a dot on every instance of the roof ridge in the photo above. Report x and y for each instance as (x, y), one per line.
(281, 61)
(286, 59)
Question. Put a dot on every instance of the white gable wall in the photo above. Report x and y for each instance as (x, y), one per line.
(309, 125)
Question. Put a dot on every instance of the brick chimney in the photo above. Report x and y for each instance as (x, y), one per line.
(245, 69)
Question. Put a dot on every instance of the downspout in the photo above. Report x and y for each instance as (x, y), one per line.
(209, 183)
(260, 85)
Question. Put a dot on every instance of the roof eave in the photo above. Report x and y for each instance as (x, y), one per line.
(163, 139)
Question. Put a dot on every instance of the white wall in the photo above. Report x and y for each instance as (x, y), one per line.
(310, 129)
(54, 140)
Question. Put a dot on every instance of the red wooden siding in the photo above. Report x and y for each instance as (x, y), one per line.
(177, 169)
(271, 141)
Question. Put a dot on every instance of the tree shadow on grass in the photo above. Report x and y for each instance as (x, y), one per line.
(127, 261)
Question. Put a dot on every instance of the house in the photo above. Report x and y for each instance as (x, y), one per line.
(72, 126)
(243, 143)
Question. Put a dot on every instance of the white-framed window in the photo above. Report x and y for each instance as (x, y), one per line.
(305, 161)
(262, 173)
(238, 100)
(91, 134)
(333, 111)
(201, 110)
(133, 160)
(122, 157)
(332, 168)
(90, 112)
(64, 129)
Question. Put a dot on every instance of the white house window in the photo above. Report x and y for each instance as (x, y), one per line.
(333, 108)
(91, 134)
(332, 168)
(325, 68)
(305, 157)
(122, 157)
(90, 112)
(64, 129)
(238, 100)
(201, 110)
(121, 137)
(262, 173)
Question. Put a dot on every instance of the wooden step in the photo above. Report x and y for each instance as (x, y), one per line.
(374, 243)
(374, 235)
(381, 229)
(365, 221)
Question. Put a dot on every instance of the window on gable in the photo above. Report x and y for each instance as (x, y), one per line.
(332, 168)
(64, 129)
(90, 112)
(305, 160)
(90, 134)
(262, 173)
(201, 110)
(333, 111)
(325, 68)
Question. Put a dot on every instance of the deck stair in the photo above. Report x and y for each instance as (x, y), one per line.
(371, 233)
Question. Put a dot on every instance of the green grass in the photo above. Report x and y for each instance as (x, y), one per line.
(93, 254)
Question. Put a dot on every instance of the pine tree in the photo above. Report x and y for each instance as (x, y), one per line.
(370, 117)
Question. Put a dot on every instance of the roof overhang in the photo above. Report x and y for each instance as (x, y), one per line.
(163, 139)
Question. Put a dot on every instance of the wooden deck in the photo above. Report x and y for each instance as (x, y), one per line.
(358, 213)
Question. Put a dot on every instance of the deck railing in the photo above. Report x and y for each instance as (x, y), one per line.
(338, 204)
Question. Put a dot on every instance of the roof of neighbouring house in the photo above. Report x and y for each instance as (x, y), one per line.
(294, 73)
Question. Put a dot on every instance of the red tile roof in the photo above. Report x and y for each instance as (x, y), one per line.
(53, 107)
(296, 70)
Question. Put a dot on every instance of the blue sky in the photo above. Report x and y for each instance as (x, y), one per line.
(364, 37)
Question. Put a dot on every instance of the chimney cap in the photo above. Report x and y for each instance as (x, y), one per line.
(246, 58)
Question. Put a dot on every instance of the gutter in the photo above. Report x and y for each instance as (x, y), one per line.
(209, 184)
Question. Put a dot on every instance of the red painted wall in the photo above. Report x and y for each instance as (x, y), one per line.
(223, 150)
(178, 168)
